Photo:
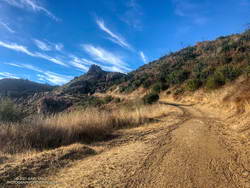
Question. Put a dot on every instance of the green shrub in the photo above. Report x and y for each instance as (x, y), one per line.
(151, 98)
(9, 112)
(158, 87)
(229, 72)
(222, 75)
(117, 100)
(247, 71)
(215, 81)
(193, 85)
(107, 99)
(178, 77)
(91, 101)
(201, 72)
(146, 84)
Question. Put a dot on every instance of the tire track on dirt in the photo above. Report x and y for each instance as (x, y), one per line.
(190, 156)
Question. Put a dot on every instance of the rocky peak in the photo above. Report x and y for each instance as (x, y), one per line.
(94, 69)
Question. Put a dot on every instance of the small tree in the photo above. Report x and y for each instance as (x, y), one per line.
(151, 98)
(108, 99)
(177, 77)
(9, 112)
(193, 84)
(215, 81)
(247, 71)
(157, 88)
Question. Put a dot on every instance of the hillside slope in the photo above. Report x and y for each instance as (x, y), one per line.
(16, 88)
(208, 64)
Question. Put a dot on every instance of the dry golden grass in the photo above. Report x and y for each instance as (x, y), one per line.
(80, 126)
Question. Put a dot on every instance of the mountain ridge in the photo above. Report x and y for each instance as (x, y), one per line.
(16, 88)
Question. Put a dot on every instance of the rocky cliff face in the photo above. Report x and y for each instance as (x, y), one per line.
(95, 80)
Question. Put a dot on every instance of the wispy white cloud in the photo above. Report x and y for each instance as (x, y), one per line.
(51, 59)
(112, 68)
(191, 10)
(48, 46)
(23, 49)
(86, 63)
(16, 47)
(31, 5)
(42, 45)
(114, 37)
(45, 76)
(8, 75)
(54, 78)
(6, 26)
(26, 66)
(59, 46)
(143, 57)
(78, 63)
(104, 56)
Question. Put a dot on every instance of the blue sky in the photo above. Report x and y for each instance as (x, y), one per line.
(52, 41)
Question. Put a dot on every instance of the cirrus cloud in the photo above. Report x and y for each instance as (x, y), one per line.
(31, 5)
(114, 37)
(104, 56)
(23, 49)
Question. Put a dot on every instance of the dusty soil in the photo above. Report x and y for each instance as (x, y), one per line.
(186, 148)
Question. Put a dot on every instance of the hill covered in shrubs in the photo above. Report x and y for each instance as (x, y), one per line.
(208, 64)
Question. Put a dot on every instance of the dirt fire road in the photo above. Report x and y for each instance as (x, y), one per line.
(184, 149)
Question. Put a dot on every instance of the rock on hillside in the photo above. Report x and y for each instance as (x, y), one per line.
(95, 80)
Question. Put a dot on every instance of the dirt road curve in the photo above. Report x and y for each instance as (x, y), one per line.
(182, 150)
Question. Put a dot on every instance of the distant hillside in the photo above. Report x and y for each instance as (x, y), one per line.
(16, 88)
(95, 80)
(208, 64)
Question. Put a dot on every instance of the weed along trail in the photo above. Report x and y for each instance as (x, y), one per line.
(182, 149)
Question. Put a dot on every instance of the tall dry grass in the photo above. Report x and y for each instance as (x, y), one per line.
(80, 126)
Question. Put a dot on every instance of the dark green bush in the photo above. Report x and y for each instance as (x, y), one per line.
(117, 100)
(215, 81)
(91, 101)
(9, 112)
(247, 71)
(178, 77)
(222, 75)
(146, 84)
(107, 99)
(159, 86)
(193, 84)
(229, 72)
(151, 98)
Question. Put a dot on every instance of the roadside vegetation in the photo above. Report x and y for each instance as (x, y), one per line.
(85, 126)
(10, 112)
